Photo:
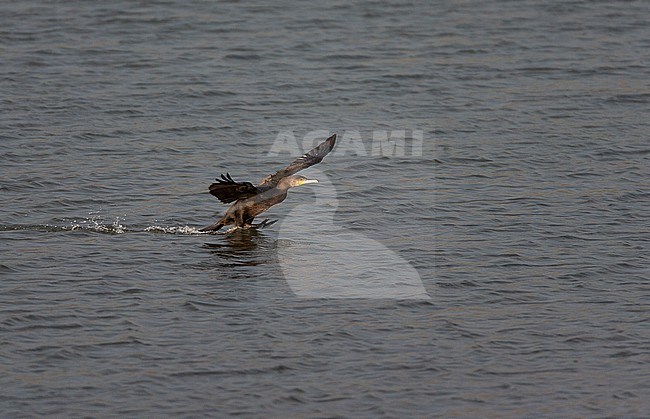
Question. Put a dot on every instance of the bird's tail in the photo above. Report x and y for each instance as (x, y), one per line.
(213, 227)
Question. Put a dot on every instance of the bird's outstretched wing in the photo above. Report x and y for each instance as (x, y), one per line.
(227, 190)
(310, 158)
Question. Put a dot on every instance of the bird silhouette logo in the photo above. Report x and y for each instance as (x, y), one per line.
(335, 262)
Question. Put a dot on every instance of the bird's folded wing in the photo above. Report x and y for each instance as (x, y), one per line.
(310, 158)
(227, 190)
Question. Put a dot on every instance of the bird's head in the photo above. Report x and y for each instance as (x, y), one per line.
(296, 180)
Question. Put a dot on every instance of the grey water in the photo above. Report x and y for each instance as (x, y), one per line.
(523, 218)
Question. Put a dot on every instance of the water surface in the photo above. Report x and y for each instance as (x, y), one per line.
(525, 217)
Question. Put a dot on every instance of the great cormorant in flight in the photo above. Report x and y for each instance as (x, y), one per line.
(250, 201)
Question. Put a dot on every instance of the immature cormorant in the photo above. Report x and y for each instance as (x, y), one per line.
(250, 201)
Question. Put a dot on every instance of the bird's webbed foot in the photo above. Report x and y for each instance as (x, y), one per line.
(263, 223)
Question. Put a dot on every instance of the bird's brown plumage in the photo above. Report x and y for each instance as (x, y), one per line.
(250, 200)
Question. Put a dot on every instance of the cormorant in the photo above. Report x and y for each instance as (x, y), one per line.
(250, 201)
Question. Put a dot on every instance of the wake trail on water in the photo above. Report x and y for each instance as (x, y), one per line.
(99, 226)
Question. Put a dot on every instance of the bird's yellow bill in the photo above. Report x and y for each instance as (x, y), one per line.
(304, 182)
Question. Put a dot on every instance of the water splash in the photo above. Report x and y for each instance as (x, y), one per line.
(173, 230)
(96, 224)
